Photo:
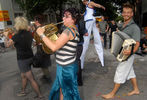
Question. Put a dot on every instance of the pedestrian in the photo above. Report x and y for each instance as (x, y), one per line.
(82, 31)
(112, 28)
(65, 85)
(103, 30)
(22, 41)
(125, 70)
(143, 45)
(43, 59)
(91, 26)
(98, 26)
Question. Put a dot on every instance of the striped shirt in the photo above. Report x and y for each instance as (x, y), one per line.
(67, 54)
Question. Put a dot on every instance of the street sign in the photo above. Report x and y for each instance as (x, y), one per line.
(4, 15)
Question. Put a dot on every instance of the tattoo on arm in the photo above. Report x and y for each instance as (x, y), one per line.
(67, 32)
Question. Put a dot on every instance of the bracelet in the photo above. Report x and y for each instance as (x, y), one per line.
(42, 36)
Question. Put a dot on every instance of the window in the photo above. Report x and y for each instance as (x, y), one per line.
(18, 14)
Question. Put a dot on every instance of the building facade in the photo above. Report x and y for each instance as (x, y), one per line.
(9, 9)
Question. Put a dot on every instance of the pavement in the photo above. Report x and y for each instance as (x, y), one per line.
(97, 80)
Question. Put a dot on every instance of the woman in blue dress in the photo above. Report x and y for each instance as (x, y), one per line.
(65, 86)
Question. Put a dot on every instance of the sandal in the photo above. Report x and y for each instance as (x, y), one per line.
(21, 94)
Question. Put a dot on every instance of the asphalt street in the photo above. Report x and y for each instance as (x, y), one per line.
(97, 80)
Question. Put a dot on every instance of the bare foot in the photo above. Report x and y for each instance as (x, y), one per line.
(108, 96)
(134, 92)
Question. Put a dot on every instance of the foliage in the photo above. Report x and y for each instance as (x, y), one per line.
(111, 7)
(34, 7)
(110, 11)
(119, 18)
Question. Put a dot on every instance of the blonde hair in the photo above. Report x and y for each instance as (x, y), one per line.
(21, 23)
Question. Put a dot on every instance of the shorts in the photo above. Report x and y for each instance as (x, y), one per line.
(25, 65)
(125, 71)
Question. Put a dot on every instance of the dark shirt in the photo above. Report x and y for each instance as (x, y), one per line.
(82, 30)
(143, 41)
(113, 27)
(23, 42)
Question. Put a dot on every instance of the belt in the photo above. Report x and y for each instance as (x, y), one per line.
(89, 20)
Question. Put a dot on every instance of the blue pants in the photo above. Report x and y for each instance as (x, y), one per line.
(66, 79)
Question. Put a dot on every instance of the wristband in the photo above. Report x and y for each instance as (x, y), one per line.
(42, 36)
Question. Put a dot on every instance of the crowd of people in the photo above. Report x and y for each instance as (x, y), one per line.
(70, 49)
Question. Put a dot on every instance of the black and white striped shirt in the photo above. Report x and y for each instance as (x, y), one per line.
(67, 54)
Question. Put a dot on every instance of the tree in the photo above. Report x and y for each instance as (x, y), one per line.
(111, 9)
(34, 7)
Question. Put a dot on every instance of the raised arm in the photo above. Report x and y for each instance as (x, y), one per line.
(55, 45)
(96, 5)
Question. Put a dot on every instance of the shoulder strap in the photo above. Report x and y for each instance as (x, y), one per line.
(127, 26)
(71, 31)
(77, 33)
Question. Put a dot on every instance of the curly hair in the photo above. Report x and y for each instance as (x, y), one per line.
(21, 23)
(75, 14)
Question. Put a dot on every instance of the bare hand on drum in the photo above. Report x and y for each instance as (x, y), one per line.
(40, 30)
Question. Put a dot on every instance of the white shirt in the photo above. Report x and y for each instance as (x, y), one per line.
(89, 13)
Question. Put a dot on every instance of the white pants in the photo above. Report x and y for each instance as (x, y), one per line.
(124, 71)
(91, 26)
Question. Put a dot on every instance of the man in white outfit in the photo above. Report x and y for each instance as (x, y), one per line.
(91, 26)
